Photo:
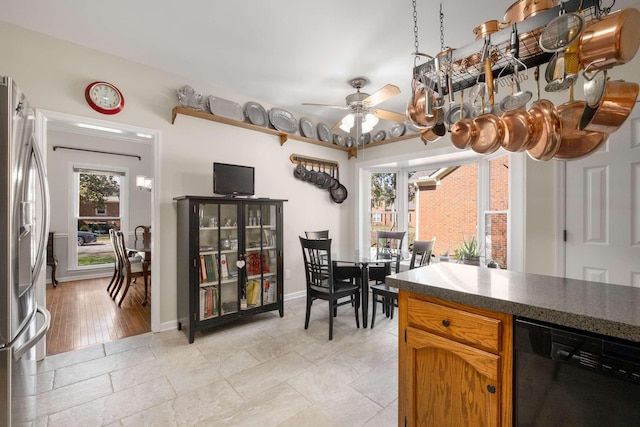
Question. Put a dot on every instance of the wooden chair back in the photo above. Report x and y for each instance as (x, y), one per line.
(389, 246)
(322, 234)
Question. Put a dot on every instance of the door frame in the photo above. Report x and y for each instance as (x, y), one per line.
(42, 119)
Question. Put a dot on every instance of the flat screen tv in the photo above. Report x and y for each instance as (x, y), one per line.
(233, 180)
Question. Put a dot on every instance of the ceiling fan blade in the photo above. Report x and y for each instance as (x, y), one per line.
(383, 94)
(390, 115)
(339, 107)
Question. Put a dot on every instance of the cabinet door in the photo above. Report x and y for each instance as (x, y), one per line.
(450, 384)
(261, 249)
(218, 246)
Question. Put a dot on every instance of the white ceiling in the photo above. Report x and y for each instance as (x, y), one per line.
(279, 52)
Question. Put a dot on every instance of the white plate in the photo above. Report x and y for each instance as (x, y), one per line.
(256, 114)
(337, 139)
(379, 136)
(307, 129)
(283, 120)
(396, 130)
(349, 141)
(225, 108)
(365, 138)
(324, 133)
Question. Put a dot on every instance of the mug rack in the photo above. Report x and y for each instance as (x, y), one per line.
(313, 161)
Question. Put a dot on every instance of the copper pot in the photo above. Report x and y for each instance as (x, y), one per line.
(547, 120)
(617, 102)
(519, 130)
(464, 133)
(523, 9)
(417, 110)
(487, 28)
(428, 135)
(490, 134)
(576, 143)
(610, 41)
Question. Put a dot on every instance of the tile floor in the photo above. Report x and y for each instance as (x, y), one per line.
(264, 371)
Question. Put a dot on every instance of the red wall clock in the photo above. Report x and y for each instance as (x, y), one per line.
(104, 97)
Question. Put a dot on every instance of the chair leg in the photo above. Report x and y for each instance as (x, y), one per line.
(306, 318)
(113, 279)
(356, 310)
(331, 311)
(117, 286)
(374, 304)
(126, 289)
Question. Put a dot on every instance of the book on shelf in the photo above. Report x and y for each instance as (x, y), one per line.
(208, 302)
(224, 269)
(211, 268)
(203, 270)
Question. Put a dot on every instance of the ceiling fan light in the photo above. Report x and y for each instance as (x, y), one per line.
(369, 122)
(347, 122)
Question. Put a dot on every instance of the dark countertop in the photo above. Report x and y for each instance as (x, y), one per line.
(612, 310)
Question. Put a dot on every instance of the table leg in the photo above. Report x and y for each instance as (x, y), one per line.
(145, 273)
(365, 294)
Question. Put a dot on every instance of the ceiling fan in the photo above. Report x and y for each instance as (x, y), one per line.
(361, 106)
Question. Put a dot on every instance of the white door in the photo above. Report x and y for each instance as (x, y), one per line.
(603, 210)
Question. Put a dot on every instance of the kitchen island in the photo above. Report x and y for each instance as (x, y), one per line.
(456, 335)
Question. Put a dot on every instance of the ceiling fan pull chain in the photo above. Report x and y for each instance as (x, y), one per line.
(441, 29)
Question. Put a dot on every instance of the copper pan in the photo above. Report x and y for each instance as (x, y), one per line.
(486, 28)
(610, 41)
(523, 9)
(519, 130)
(428, 135)
(547, 120)
(490, 134)
(576, 143)
(464, 133)
(617, 102)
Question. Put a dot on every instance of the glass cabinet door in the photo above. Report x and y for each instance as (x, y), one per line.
(260, 255)
(218, 253)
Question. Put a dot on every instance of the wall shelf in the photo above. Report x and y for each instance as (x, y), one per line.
(283, 136)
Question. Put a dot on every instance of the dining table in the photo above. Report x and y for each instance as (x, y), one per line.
(142, 247)
(364, 261)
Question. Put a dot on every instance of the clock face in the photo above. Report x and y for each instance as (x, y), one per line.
(104, 97)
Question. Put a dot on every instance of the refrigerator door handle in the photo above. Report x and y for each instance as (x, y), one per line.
(20, 351)
(42, 174)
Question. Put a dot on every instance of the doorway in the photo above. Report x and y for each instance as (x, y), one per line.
(102, 142)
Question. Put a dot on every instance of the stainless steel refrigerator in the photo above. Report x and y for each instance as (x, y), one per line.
(24, 224)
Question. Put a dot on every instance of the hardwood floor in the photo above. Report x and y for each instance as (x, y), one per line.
(83, 314)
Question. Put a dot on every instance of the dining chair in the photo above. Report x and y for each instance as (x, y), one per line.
(388, 246)
(421, 253)
(116, 260)
(321, 283)
(349, 273)
(130, 267)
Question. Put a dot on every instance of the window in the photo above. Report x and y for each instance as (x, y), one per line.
(451, 200)
(98, 207)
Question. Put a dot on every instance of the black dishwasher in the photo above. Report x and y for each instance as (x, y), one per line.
(565, 377)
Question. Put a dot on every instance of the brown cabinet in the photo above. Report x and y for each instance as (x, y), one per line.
(455, 364)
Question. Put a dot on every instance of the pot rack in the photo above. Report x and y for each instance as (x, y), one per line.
(464, 63)
(314, 162)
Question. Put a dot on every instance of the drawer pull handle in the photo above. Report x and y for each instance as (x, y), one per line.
(491, 388)
(445, 323)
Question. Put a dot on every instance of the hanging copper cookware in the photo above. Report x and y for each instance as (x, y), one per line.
(486, 28)
(523, 9)
(420, 108)
(464, 133)
(428, 135)
(576, 143)
(490, 134)
(520, 131)
(547, 120)
(617, 102)
(610, 41)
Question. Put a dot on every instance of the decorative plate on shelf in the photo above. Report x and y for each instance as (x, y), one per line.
(283, 120)
(324, 133)
(396, 130)
(307, 129)
(225, 108)
(349, 141)
(365, 138)
(379, 136)
(337, 139)
(256, 114)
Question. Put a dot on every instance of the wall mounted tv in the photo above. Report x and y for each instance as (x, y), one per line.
(233, 180)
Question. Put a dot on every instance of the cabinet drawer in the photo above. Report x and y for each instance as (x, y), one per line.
(462, 326)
